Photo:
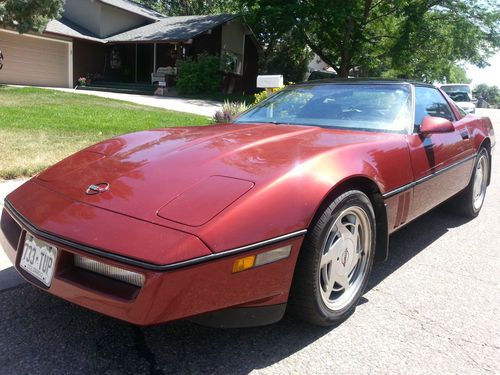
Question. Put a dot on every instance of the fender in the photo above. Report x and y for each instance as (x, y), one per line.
(289, 202)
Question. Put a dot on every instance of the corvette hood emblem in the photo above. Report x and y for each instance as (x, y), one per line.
(99, 188)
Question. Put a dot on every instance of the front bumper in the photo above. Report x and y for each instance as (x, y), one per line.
(168, 295)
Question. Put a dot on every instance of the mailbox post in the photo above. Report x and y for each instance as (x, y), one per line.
(161, 89)
(269, 82)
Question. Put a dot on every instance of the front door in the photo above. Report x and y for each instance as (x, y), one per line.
(441, 162)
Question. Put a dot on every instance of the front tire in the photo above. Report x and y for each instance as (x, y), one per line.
(335, 261)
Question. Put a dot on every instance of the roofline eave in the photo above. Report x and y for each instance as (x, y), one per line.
(152, 18)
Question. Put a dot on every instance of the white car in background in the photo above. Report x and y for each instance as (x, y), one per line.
(462, 95)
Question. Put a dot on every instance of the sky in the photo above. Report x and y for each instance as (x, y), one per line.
(489, 75)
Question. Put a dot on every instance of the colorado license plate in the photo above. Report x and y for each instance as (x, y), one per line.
(39, 259)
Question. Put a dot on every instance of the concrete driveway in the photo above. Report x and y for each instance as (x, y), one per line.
(432, 308)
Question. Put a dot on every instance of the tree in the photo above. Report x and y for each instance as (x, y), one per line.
(414, 38)
(27, 15)
(489, 93)
(287, 57)
(193, 7)
(458, 75)
(437, 34)
(283, 53)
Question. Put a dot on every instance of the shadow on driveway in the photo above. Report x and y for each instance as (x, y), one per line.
(40, 333)
(414, 238)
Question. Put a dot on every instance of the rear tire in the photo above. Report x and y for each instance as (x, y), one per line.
(335, 261)
(469, 201)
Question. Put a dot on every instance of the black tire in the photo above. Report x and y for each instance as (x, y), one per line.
(464, 202)
(307, 299)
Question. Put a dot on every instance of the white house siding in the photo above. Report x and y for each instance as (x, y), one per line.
(101, 19)
(114, 21)
(85, 13)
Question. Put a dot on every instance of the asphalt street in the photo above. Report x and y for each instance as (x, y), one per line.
(434, 307)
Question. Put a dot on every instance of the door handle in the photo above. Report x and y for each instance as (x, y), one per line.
(465, 134)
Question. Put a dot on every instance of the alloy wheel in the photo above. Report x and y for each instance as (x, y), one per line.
(345, 258)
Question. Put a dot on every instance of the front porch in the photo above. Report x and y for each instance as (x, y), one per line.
(126, 63)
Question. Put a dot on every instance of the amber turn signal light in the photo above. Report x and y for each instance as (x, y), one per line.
(261, 259)
(243, 264)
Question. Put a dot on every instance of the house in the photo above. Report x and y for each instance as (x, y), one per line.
(123, 41)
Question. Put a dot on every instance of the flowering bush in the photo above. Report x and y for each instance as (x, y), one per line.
(82, 81)
(260, 96)
(229, 112)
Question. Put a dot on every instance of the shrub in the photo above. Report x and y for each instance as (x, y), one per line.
(229, 112)
(200, 75)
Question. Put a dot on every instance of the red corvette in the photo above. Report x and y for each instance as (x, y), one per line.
(230, 225)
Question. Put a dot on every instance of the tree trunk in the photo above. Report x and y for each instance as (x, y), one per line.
(344, 71)
(345, 64)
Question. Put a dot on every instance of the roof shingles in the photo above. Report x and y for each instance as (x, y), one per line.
(65, 27)
(170, 29)
(173, 29)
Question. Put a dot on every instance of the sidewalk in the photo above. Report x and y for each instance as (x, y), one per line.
(9, 278)
(7, 186)
(195, 106)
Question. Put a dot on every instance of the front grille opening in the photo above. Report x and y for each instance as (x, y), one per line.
(84, 278)
(11, 229)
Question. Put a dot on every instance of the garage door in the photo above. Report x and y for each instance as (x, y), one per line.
(30, 60)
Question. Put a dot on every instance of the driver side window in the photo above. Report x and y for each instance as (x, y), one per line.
(430, 102)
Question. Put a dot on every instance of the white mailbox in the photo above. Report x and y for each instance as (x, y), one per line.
(269, 81)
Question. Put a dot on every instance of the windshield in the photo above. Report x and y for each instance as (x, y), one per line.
(382, 107)
(460, 96)
(456, 88)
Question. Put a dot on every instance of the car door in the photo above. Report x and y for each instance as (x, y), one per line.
(441, 162)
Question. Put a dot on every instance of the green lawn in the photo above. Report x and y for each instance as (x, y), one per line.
(38, 127)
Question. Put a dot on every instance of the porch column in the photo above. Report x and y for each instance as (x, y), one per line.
(154, 57)
(136, 63)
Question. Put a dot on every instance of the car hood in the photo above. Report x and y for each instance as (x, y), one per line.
(188, 175)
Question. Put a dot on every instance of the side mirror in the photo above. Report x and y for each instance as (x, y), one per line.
(436, 125)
